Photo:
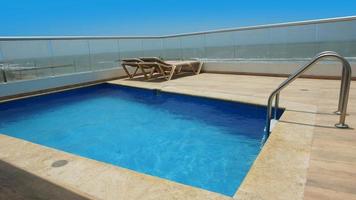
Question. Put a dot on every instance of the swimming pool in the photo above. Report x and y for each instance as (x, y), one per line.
(206, 143)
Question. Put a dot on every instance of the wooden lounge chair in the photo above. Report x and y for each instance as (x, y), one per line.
(168, 68)
(134, 62)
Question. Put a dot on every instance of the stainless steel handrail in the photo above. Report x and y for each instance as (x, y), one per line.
(343, 95)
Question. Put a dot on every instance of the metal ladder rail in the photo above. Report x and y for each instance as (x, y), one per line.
(343, 95)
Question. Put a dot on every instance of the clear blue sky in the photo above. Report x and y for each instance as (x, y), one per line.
(156, 17)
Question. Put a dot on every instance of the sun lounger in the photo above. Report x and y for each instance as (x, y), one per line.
(168, 68)
(135, 63)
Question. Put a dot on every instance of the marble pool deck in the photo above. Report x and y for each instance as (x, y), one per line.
(306, 157)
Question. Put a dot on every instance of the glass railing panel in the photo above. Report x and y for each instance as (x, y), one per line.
(193, 46)
(220, 45)
(26, 73)
(104, 53)
(152, 47)
(337, 36)
(301, 42)
(277, 48)
(25, 60)
(252, 44)
(31, 59)
(130, 48)
(172, 48)
(70, 56)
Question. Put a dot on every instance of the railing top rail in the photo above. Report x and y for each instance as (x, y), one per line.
(317, 21)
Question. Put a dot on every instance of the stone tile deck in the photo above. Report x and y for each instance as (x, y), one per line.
(305, 157)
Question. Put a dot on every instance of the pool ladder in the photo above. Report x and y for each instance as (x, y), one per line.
(343, 95)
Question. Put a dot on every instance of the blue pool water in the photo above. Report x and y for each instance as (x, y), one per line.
(200, 142)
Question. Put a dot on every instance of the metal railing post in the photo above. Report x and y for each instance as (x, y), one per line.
(344, 92)
(269, 115)
(341, 94)
(276, 105)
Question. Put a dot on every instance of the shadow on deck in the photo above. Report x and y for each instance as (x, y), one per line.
(18, 184)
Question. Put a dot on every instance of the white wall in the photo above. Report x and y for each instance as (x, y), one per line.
(273, 67)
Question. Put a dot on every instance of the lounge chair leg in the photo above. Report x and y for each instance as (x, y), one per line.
(126, 71)
(134, 74)
(199, 68)
(144, 72)
(163, 73)
(172, 72)
(179, 70)
(152, 71)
